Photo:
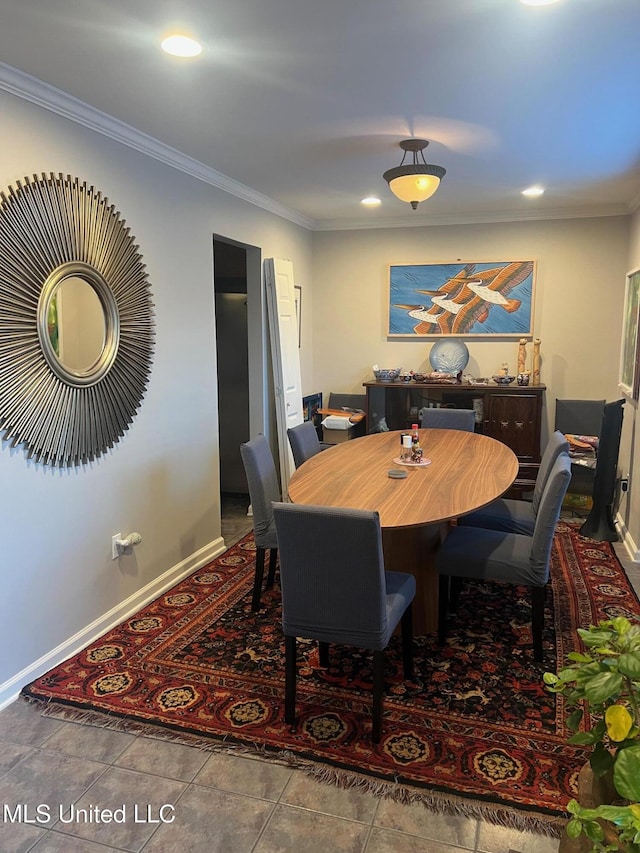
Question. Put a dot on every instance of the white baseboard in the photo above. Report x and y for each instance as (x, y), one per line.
(10, 689)
(630, 546)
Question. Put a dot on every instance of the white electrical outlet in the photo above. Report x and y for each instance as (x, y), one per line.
(115, 550)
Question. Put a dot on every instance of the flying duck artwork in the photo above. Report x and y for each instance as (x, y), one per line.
(461, 299)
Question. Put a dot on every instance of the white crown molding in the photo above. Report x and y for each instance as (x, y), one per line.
(483, 218)
(55, 100)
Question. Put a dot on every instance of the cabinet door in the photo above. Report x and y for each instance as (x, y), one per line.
(514, 420)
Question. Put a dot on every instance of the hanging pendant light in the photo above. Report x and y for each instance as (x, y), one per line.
(417, 181)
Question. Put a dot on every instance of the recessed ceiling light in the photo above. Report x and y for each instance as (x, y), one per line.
(531, 192)
(371, 201)
(178, 45)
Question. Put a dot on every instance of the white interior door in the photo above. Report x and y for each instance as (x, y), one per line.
(283, 330)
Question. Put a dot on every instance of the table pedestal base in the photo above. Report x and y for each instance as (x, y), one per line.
(413, 549)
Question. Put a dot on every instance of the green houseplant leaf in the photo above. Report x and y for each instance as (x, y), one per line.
(629, 665)
(602, 687)
(574, 720)
(601, 760)
(626, 773)
(592, 637)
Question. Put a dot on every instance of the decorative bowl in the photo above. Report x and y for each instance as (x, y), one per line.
(419, 377)
(387, 375)
(503, 380)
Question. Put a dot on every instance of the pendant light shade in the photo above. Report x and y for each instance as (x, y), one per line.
(415, 181)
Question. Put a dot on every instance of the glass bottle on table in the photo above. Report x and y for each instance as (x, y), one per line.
(416, 450)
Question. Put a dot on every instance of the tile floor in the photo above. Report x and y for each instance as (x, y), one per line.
(168, 797)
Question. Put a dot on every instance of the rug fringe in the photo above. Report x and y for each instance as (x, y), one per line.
(436, 801)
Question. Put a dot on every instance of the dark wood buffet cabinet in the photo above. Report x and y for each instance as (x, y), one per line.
(511, 414)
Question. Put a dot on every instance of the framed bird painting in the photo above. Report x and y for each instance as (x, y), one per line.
(480, 298)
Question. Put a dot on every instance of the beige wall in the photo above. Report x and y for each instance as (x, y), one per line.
(581, 266)
(577, 314)
(56, 573)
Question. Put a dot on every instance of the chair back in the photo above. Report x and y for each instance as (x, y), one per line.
(461, 419)
(264, 488)
(556, 444)
(579, 417)
(548, 514)
(332, 574)
(304, 442)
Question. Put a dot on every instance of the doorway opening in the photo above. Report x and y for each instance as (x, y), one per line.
(232, 347)
(241, 349)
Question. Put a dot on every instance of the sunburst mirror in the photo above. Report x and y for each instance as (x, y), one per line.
(76, 321)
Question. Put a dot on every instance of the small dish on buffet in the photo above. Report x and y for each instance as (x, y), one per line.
(503, 380)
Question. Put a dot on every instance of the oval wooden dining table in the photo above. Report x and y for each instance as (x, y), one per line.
(466, 471)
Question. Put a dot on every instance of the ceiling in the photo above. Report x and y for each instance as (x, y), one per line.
(305, 101)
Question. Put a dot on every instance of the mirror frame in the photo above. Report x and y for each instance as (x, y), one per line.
(51, 228)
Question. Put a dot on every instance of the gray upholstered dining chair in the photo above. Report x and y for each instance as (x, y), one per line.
(335, 590)
(304, 442)
(264, 488)
(514, 558)
(514, 516)
(443, 418)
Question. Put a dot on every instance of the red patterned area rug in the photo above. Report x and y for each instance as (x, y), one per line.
(475, 732)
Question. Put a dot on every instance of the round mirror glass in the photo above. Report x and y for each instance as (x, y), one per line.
(76, 324)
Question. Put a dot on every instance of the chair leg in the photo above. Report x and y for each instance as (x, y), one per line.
(537, 619)
(257, 581)
(378, 692)
(443, 608)
(290, 680)
(454, 596)
(273, 553)
(407, 643)
(323, 653)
